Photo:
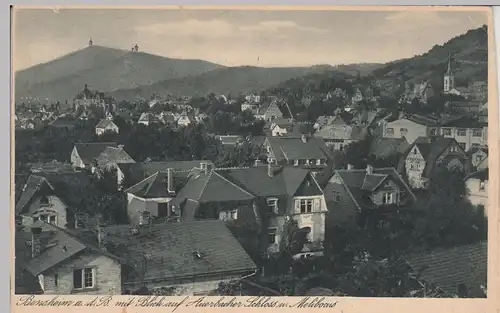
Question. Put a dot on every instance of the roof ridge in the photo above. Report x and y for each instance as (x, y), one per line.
(126, 190)
(234, 184)
(205, 186)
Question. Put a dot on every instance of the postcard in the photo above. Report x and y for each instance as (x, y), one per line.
(194, 159)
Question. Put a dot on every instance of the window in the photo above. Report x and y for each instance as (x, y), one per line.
(403, 131)
(446, 132)
(306, 206)
(52, 219)
(461, 132)
(44, 201)
(336, 196)
(341, 147)
(83, 278)
(233, 214)
(453, 148)
(415, 151)
(271, 160)
(433, 132)
(390, 131)
(412, 166)
(272, 204)
(44, 217)
(271, 235)
(482, 185)
(163, 209)
(296, 162)
(318, 162)
(387, 198)
(477, 133)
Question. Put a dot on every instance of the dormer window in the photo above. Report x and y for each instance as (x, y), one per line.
(272, 204)
(415, 151)
(44, 201)
(387, 198)
(453, 148)
(318, 162)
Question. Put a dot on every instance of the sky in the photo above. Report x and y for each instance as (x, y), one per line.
(238, 37)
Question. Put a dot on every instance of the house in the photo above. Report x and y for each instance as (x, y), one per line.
(349, 192)
(250, 106)
(84, 153)
(282, 193)
(54, 198)
(304, 151)
(148, 119)
(53, 166)
(265, 195)
(252, 98)
(425, 154)
(463, 106)
(136, 172)
(64, 265)
(479, 157)
(411, 127)
(106, 125)
(152, 195)
(269, 110)
(336, 133)
(187, 258)
(467, 131)
(285, 127)
(111, 157)
(453, 272)
(185, 119)
(230, 140)
(90, 100)
(477, 189)
(357, 97)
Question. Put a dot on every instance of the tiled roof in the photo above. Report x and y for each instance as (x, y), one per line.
(155, 186)
(464, 122)
(423, 120)
(106, 123)
(210, 186)
(172, 250)
(359, 184)
(89, 151)
(139, 171)
(114, 155)
(149, 118)
(431, 149)
(292, 148)
(257, 181)
(59, 246)
(33, 185)
(448, 268)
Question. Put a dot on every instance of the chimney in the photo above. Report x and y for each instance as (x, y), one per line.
(369, 169)
(270, 171)
(350, 167)
(36, 244)
(170, 181)
(304, 138)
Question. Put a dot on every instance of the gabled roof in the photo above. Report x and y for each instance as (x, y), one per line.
(293, 148)
(149, 118)
(114, 155)
(360, 184)
(431, 149)
(139, 171)
(59, 246)
(256, 180)
(464, 122)
(210, 186)
(33, 185)
(89, 151)
(448, 268)
(105, 123)
(155, 186)
(178, 250)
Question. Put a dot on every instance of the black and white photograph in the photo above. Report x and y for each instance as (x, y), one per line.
(251, 152)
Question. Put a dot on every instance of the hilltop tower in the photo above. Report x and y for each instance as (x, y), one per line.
(135, 48)
(449, 79)
(90, 42)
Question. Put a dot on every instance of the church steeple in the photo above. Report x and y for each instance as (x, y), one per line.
(449, 79)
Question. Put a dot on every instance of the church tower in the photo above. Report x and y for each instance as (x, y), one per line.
(90, 42)
(449, 79)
